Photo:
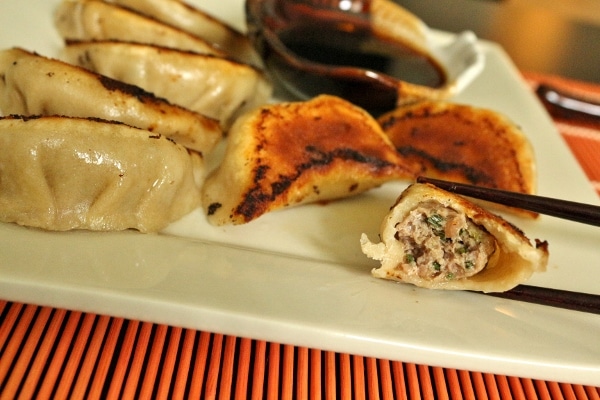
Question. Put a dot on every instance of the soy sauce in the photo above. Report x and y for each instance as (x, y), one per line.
(333, 46)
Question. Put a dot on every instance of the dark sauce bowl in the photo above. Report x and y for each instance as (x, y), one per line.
(372, 53)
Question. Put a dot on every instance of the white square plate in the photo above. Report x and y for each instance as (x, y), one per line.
(298, 276)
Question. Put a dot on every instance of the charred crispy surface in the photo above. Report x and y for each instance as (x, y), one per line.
(300, 152)
(463, 144)
(269, 187)
(307, 144)
(118, 86)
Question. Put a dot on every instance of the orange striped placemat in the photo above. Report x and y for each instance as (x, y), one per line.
(583, 139)
(60, 354)
(50, 353)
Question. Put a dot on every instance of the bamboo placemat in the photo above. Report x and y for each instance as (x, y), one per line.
(50, 353)
(60, 354)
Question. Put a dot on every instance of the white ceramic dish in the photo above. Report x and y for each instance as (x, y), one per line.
(298, 276)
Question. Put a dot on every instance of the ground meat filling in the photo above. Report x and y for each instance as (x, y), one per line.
(441, 244)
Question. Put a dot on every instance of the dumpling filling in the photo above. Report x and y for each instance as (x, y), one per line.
(441, 244)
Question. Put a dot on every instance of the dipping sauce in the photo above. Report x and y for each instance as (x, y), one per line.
(373, 53)
(334, 46)
(310, 47)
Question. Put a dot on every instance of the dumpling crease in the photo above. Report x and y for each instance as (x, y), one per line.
(36, 85)
(61, 173)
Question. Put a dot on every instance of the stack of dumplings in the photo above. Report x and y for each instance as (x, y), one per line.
(167, 48)
(114, 135)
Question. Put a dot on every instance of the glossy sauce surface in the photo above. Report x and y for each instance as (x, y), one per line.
(334, 46)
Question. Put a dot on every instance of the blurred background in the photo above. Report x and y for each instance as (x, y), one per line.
(559, 37)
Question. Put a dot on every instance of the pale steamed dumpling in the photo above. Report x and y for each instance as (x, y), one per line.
(61, 173)
(98, 20)
(197, 22)
(217, 87)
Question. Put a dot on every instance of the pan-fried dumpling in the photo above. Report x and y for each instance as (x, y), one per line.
(98, 20)
(281, 155)
(196, 22)
(33, 84)
(61, 173)
(435, 239)
(462, 143)
(217, 87)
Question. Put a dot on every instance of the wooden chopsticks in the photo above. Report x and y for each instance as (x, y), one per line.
(563, 105)
(584, 302)
(573, 211)
(570, 210)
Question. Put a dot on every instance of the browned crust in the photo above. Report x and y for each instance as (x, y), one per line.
(301, 152)
(295, 142)
(463, 144)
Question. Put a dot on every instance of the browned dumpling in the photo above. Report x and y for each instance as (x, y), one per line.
(61, 173)
(33, 84)
(463, 143)
(217, 87)
(287, 154)
(99, 20)
(435, 239)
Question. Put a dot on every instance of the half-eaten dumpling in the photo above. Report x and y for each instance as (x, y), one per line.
(98, 20)
(435, 239)
(281, 155)
(61, 173)
(217, 87)
(36, 85)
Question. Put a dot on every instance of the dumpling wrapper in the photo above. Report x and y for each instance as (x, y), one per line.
(97, 20)
(287, 154)
(217, 87)
(513, 262)
(36, 85)
(60, 173)
(198, 23)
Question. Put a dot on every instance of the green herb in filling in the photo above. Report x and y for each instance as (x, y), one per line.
(461, 250)
(435, 220)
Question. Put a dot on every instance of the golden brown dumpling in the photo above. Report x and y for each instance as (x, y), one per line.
(462, 143)
(61, 173)
(287, 154)
(435, 239)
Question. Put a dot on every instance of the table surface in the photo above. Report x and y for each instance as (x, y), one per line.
(551, 36)
(58, 353)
